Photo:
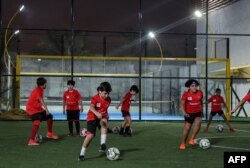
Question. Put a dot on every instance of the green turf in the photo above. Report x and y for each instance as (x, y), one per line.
(154, 144)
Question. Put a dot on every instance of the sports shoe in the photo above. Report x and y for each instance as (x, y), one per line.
(191, 141)
(103, 148)
(182, 146)
(51, 135)
(127, 135)
(81, 158)
(231, 129)
(70, 134)
(32, 143)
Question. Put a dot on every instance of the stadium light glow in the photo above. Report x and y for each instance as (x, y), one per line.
(21, 8)
(16, 32)
(198, 14)
(151, 35)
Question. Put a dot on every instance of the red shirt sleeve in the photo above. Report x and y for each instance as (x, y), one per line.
(39, 94)
(184, 96)
(64, 96)
(79, 97)
(210, 99)
(93, 101)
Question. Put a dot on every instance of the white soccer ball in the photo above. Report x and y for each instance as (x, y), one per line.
(113, 153)
(39, 138)
(83, 132)
(116, 130)
(204, 144)
(219, 128)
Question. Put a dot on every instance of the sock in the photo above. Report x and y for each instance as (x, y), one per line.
(70, 125)
(50, 124)
(103, 138)
(34, 129)
(122, 131)
(127, 130)
(77, 124)
(83, 151)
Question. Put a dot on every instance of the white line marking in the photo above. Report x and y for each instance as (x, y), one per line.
(226, 147)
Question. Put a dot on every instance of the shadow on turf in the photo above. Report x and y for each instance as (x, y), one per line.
(124, 151)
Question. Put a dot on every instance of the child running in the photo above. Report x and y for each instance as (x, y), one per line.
(97, 117)
(72, 100)
(38, 111)
(216, 101)
(125, 109)
(191, 107)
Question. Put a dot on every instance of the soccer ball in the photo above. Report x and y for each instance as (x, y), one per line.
(204, 144)
(219, 128)
(39, 138)
(116, 129)
(113, 153)
(83, 132)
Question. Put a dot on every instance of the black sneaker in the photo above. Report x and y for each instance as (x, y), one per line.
(127, 135)
(103, 148)
(81, 158)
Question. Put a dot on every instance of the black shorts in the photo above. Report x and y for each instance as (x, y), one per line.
(73, 115)
(213, 113)
(41, 116)
(125, 113)
(92, 125)
(192, 117)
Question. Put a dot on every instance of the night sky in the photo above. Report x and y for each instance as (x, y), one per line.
(102, 15)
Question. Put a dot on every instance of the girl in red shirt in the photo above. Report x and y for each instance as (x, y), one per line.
(191, 107)
(216, 101)
(72, 100)
(97, 117)
(125, 109)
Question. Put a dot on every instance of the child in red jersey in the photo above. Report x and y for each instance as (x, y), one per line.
(97, 117)
(125, 102)
(242, 102)
(72, 100)
(191, 107)
(216, 102)
(38, 112)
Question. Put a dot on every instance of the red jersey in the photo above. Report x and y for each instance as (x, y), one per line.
(216, 101)
(101, 105)
(33, 104)
(193, 101)
(247, 97)
(126, 102)
(71, 99)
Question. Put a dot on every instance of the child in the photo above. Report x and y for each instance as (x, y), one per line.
(242, 102)
(97, 117)
(191, 107)
(125, 102)
(39, 112)
(216, 102)
(72, 99)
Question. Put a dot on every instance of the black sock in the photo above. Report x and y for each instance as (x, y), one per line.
(70, 124)
(127, 130)
(77, 124)
(121, 131)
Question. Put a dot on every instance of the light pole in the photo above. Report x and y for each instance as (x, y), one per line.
(199, 15)
(152, 36)
(8, 65)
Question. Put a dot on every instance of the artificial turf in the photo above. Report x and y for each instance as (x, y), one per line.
(153, 144)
